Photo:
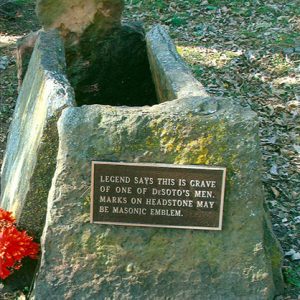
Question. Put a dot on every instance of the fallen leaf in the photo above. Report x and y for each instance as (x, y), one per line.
(275, 192)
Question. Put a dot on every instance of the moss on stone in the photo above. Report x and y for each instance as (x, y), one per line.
(33, 214)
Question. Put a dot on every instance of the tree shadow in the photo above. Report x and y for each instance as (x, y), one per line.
(18, 17)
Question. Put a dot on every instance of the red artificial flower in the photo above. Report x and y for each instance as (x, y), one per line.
(6, 216)
(14, 245)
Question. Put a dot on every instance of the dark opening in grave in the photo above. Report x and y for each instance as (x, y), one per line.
(112, 70)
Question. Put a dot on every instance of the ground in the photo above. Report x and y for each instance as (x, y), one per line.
(246, 50)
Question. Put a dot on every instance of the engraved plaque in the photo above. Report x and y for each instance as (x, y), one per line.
(157, 195)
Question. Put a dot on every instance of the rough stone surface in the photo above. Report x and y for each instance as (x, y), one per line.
(172, 77)
(91, 261)
(24, 51)
(73, 17)
(30, 157)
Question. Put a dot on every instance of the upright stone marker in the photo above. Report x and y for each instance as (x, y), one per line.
(83, 260)
(95, 261)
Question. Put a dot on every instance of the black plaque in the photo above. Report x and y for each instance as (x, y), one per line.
(157, 195)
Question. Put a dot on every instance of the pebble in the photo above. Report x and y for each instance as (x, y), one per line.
(291, 50)
(4, 61)
(296, 256)
(293, 254)
(290, 253)
(297, 220)
(130, 268)
(288, 50)
(274, 170)
(21, 297)
(250, 55)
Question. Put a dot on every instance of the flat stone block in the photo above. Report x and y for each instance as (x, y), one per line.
(30, 158)
(92, 261)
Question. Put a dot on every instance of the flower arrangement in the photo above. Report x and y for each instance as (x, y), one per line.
(14, 245)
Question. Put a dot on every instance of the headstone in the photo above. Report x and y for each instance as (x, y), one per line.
(83, 260)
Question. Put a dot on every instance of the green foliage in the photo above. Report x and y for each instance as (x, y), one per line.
(178, 21)
(20, 2)
(288, 39)
(198, 71)
(210, 7)
(160, 3)
(9, 8)
(15, 2)
(292, 276)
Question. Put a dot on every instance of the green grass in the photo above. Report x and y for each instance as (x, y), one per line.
(290, 39)
(292, 276)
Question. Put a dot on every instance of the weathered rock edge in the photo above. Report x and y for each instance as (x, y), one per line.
(172, 77)
(31, 151)
(88, 261)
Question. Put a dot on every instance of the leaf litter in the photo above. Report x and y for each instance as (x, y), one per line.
(249, 51)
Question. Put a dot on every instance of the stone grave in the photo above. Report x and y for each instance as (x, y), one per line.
(145, 109)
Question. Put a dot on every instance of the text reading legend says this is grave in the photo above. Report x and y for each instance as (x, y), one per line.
(157, 195)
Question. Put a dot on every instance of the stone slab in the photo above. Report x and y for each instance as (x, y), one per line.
(30, 158)
(91, 261)
(172, 77)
